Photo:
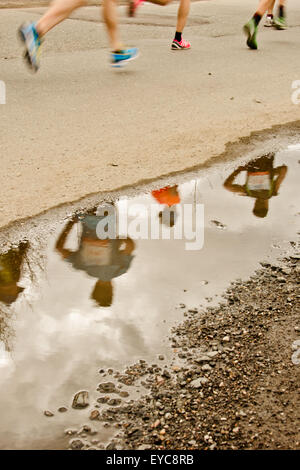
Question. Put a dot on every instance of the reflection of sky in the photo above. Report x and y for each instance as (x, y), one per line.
(62, 338)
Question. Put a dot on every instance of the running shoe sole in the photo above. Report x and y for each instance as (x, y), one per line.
(279, 26)
(180, 48)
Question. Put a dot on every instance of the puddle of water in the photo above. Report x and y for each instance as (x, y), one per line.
(83, 304)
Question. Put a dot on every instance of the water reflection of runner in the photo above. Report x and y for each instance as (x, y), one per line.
(102, 259)
(262, 182)
(169, 197)
(10, 272)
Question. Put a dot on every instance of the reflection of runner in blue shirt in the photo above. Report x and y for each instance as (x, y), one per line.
(262, 182)
(102, 259)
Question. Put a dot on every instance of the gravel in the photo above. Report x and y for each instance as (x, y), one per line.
(237, 387)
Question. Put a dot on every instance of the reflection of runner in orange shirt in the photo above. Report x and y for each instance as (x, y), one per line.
(169, 197)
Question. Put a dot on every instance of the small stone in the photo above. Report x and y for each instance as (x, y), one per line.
(226, 339)
(197, 383)
(76, 444)
(94, 415)
(48, 414)
(114, 402)
(166, 374)
(62, 409)
(107, 387)
(111, 446)
(80, 400)
(206, 368)
(159, 380)
(218, 224)
(103, 399)
(161, 357)
(70, 432)
(124, 394)
(85, 429)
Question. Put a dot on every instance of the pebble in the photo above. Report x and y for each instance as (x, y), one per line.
(76, 444)
(80, 400)
(48, 413)
(114, 402)
(107, 387)
(94, 415)
(70, 432)
(197, 383)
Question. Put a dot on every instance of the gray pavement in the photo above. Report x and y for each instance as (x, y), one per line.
(62, 129)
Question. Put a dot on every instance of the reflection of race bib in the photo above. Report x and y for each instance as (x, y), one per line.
(93, 254)
(259, 181)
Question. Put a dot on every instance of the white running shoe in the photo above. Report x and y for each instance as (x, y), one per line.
(269, 22)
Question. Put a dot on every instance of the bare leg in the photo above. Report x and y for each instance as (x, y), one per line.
(58, 12)
(263, 6)
(111, 20)
(183, 12)
(271, 8)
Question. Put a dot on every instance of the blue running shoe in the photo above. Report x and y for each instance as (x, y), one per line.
(29, 36)
(120, 58)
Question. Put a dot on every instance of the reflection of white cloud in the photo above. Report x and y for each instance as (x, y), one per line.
(5, 358)
(293, 147)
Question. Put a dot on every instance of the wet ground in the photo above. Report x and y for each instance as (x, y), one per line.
(71, 306)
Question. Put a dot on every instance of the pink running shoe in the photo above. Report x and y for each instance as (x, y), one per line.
(179, 45)
(133, 4)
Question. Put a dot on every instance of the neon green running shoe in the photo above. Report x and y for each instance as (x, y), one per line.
(280, 22)
(250, 29)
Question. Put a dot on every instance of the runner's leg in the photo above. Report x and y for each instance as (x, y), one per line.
(183, 11)
(251, 27)
(119, 55)
(280, 20)
(111, 21)
(269, 20)
(59, 11)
